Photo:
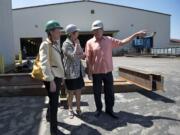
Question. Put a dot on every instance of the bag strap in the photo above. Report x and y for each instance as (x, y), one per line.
(61, 55)
(50, 51)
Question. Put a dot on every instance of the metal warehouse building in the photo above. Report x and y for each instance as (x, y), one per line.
(7, 51)
(28, 27)
(119, 21)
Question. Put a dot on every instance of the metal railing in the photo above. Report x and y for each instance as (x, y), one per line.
(166, 51)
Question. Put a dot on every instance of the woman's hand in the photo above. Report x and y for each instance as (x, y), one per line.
(83, 56)
(77, 42)
(52, 86)
(79, 50)
(77, 45)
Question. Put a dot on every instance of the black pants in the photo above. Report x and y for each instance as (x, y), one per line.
(107, 80)
(53, 103)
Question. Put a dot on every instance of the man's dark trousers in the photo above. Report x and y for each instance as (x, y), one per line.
(107, 80)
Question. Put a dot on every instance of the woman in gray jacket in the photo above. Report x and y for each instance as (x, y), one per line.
(74, 71)
(53, 71)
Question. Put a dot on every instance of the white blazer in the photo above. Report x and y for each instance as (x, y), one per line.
(50, 59)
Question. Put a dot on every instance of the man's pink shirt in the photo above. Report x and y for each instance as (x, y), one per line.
(99, 54)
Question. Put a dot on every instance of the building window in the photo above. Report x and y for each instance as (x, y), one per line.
(92, 11)
(36, 26)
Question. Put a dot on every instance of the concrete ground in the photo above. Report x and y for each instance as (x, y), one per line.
(140, 113)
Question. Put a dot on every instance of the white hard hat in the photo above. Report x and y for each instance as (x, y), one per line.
(71, 28)
(97, 25)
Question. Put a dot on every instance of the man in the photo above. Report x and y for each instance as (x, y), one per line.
(99, 61)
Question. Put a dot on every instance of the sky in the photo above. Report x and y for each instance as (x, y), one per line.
(171, 7)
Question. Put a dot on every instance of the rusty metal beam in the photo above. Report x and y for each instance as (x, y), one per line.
(143, 79)
(22, 84)
(120, 85)
(18, 79)
(158, 82)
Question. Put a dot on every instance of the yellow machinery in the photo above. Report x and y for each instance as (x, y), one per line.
(1, 64)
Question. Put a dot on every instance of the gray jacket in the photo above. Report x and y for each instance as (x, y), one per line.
(72, 61)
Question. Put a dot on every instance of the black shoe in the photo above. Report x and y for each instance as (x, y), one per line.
(54, 132)
(48, 115)
(47, 118)
(97, 113)
(111, 113)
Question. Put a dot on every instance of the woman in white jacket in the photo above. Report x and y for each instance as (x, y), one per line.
(52, 68)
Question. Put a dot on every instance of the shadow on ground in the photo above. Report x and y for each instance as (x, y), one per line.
(156, 97)
(82, 129)
(124, 119)
(21, 115)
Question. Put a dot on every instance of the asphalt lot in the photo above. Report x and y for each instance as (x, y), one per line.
(140, 113)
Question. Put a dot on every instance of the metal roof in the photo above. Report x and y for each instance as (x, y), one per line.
(91, 1)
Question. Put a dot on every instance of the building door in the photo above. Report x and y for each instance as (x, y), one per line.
(30, 46)
(84, 37)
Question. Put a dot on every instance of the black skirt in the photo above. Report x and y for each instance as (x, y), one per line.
(74, 84)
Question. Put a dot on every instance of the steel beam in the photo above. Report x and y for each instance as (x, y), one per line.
(22, 84)
(143, 79)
